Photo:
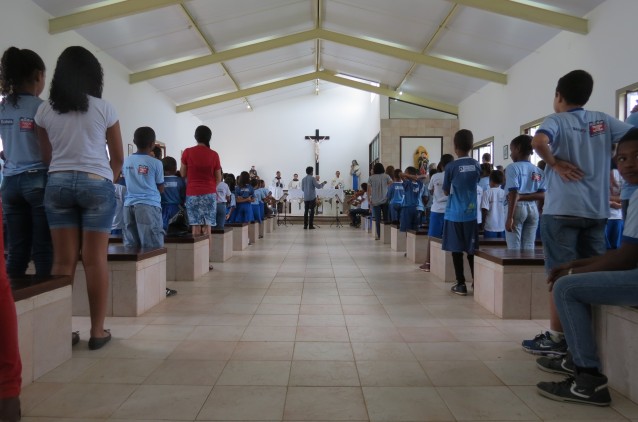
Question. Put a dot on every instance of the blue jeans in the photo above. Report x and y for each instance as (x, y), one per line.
(575, 293)
(567, 238)
(28, 234)
(79, 200)
(143, 226)
(220, 217)
(377, 210)
(613, 233)
(523, 234)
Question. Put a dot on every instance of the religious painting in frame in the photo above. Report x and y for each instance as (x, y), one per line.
(420, 152)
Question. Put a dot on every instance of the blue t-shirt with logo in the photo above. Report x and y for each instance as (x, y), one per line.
(461, 180)
(142, 174)
(20, 142)
(583, 138)
(244, 191)
(174, 191)
(412, 190)
(524, 177)
(396, 193)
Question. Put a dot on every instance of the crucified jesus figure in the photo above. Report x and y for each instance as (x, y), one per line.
(316, 140)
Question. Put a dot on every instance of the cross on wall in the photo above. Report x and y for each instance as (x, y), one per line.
(316, 140)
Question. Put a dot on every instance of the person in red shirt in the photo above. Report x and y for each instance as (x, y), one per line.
(202, 170)
(10, 363)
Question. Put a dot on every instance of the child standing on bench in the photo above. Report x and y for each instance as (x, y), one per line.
(460, 226)
(174, 194)
(576, 145)
(493, 209)
(412, 189)
(144, 177)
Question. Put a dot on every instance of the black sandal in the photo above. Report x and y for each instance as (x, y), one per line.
(97, 342)
(75, 338)
(170, 292)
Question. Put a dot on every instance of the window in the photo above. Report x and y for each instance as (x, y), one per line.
(482, 147)
(373, 150)
(626, 100)
(530, 129)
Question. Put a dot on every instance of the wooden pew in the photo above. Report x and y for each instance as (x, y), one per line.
(137, 282)
(511, 284)
(187, 257)
(240, 236)
(44, 307)
(417, 244)
(398, 239)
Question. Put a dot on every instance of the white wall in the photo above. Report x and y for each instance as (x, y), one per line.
(24, 25)
(607, 52)
(272, 138)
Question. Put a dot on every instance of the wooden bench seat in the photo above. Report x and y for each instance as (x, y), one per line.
(187, 256)
(137, 282)
(510, 283)
(221, 244)
(43, 307)
(441, 264)
(397, 239)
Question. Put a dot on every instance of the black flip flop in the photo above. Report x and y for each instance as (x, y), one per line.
(97, 342)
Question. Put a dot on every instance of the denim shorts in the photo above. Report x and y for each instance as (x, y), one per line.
(201, 209)
(76, 199)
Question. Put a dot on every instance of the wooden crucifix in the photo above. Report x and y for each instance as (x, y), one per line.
(316, 139)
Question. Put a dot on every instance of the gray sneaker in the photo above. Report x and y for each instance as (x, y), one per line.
(583, 388)
(556, 365)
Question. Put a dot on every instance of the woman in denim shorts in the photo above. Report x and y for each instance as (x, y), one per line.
(76, 127)
(202, 170)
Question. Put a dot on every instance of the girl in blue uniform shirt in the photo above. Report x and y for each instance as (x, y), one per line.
(255, 204)
(244, 195)
(395, 197)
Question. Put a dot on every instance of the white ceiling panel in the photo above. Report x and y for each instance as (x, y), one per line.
(162, 36)
(405, 23)
(64, 7)
(198, 74)
(279, 56)
(231, 24)
(218, 110)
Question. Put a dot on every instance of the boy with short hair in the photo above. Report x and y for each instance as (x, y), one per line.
(144, 177)
(576, 145)
(492, 206)
(412, 190)
(395, 197)
(610, 279)
(174, 194)
(460, 226)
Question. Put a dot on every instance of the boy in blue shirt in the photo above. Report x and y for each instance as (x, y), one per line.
(174, 194)
(408, 216)
(144, 177)
(576, 145)
(460, 226)
(395, 197)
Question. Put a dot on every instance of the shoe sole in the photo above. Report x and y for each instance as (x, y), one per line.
(570, 400)
(553, 371)
(460, 293)
(543, 352)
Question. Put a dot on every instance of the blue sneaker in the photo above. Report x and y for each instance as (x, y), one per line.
(543, 344)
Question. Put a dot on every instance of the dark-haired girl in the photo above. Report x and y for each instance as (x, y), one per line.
(80, 135)
(524, 185)
(22, 75)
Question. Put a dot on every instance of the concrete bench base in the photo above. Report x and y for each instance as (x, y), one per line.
(221, 245)
(511, 289)
(441, 264)
(386, 233)
(240, 236)
(137, 282)
(616, 329)
(186, 257)
(398, 240)
(44, 327)
(417, 244)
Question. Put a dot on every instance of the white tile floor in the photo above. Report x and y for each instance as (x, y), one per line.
(318, 325)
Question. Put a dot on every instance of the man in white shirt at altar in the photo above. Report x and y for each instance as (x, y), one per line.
(295, 183)
(337, 182)
(277, 186)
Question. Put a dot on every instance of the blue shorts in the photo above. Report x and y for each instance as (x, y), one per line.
(460, 236)
(408, 219)
(201, 209)
(243, 213)
(493, 235)
(76, 199)
(256, 213)
(168, 212)
(436, 224)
